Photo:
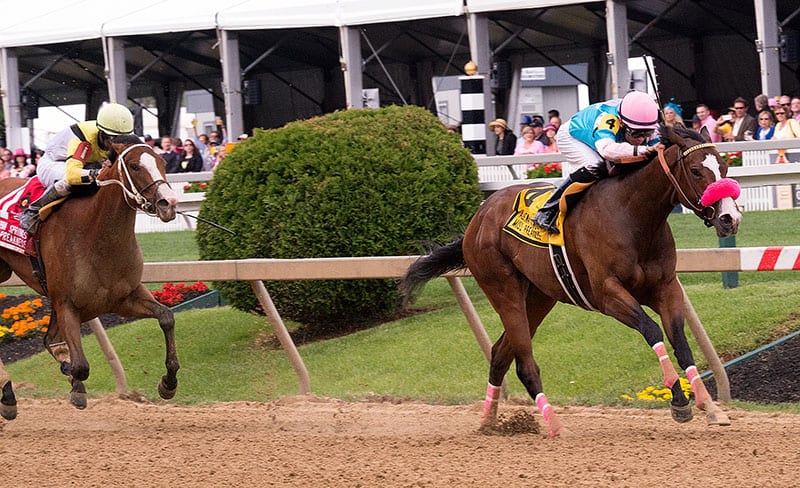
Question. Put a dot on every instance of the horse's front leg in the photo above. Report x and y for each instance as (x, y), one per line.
(141, 304)
(670, 308)
(620, 304)
(8, 402)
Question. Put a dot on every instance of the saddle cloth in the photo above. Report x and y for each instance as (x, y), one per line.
(12, 236)
(520, 223)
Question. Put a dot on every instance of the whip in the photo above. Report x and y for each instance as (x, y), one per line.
(206, 221)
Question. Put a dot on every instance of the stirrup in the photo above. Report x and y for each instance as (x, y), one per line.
(29, 220)
(547, 220)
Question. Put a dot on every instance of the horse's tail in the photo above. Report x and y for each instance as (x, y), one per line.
(441, 260)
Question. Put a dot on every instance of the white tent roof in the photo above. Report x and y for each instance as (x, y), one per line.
(55, 21)
(477, 6)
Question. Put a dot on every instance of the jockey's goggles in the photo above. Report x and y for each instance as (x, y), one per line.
(639, 132)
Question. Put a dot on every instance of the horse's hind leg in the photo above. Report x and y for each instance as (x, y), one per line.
(521, 309)
(56, 345)
(8, 402)
(141, 303)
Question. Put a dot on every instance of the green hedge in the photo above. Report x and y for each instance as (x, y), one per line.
(352, 183)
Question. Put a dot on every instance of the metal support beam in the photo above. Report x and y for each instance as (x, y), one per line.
(352, 66)
(617, 56)
(43, 71)
(116, 75)
(767, 46)
(231, 82)
(9, 82)
(655, 21)
(264, 55)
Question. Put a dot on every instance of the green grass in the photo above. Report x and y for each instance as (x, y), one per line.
(586, 358)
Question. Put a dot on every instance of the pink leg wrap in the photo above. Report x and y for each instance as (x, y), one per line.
(667, 369)
(492, 396)
(701, 396)
(544, 407)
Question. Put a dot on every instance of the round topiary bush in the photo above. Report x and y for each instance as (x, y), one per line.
(354, 183)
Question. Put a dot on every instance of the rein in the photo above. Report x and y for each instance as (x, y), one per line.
(135, 194)
(704, 212)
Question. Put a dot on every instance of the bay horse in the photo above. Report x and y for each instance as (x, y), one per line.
(93, 263)
(622, 254)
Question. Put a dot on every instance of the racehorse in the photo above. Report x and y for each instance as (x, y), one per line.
(93, 263)
(622, 255)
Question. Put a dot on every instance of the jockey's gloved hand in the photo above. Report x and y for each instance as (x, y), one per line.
(89, 175)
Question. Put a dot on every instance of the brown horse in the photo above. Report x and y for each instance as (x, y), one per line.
(94, 265)
(622, 255)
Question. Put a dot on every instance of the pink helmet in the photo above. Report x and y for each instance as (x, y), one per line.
(638, 111)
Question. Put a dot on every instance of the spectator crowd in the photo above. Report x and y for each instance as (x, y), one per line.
(203, 152)
(769, 118)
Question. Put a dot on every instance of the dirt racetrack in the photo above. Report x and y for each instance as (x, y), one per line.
(315, 442)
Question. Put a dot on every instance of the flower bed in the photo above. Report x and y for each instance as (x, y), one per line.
(26, 317)
(732, 158)
(173, 294)
(196, 187)
(544, 170)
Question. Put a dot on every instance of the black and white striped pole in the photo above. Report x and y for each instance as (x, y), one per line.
(473, 110)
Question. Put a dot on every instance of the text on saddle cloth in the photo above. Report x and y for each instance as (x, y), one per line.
(520, 223)
(12, 236)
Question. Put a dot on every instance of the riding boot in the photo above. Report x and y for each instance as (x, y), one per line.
(30, 216)
(547, 215)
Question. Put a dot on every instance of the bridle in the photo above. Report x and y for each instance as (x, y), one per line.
(707, 213)
(134, 194)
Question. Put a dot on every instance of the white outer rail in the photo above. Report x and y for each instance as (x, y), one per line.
(394, 267)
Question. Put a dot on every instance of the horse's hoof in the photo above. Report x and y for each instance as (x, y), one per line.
(164, 392)
(78, 399)
(717, 417)
(681, 414)
(8, 412)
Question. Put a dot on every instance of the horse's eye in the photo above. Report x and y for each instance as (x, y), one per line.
(695, 172)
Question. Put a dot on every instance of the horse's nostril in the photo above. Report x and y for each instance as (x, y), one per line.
(726, 219)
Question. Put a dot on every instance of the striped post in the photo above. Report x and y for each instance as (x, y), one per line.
(473, 115)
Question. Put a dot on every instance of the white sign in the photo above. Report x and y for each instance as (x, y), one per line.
(533, 74)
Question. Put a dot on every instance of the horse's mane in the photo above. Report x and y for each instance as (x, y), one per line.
(128, 139)
(680, 130)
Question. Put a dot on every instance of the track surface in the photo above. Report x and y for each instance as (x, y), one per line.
(310, 441)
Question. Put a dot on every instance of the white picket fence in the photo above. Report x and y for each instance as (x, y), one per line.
(765, 185)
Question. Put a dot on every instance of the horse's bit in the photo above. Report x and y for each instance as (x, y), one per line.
(134, 193)
(705, 213)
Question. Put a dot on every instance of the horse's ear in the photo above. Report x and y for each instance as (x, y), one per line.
(667, 133)
(116, 149)
(704, 134)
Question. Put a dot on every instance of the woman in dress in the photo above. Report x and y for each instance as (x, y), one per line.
(766, 126)
(786, 127)
(527, 144)
(192, 161)
(550, 133)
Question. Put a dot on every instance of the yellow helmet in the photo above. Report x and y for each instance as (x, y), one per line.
(115, 119)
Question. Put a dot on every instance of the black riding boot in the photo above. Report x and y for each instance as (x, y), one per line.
(547, 215)
(29, 217)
